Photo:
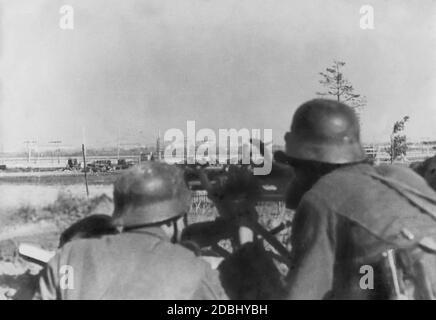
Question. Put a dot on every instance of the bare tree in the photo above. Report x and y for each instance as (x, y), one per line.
(398, 143)
(340, 88)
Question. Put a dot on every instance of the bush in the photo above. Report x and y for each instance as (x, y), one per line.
(67, 208)
(26, 213)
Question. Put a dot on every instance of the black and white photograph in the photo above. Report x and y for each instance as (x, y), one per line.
(246, 150)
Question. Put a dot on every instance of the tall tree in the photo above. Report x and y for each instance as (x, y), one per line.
(398, 144)
(340, 88)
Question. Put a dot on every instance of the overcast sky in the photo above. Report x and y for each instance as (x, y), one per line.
(139, 66)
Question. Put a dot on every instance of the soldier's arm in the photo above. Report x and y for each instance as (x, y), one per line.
(210, 287)
(250, 274)
(208, 233)
(313, 252)
(48, 281)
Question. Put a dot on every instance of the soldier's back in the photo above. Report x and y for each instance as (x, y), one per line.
(134, 265)
(355, 193)
(372, 214)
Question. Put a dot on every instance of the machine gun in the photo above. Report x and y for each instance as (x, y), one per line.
(272, 185)
(234, 189)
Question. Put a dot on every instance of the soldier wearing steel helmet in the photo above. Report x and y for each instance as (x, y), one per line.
(142, 260)
(360, 231)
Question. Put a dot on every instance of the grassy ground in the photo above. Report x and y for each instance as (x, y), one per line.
(59, 177)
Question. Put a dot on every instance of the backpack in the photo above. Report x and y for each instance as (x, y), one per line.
(411, 272)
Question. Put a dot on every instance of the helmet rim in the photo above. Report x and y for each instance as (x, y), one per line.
(327, 153)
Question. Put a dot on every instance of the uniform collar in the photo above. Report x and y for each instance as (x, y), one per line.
(153, 231)
(360, 167)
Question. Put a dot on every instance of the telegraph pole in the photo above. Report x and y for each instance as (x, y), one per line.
(158, 144)
(118, 144)
(84, 165)
(29, 144)
(84, 160)
(58, 150)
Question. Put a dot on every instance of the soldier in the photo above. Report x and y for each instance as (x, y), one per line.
(93, 226)
(359, 232)
(427, 169)
(142, 260)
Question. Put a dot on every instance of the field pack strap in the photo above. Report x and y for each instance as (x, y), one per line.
(271, 239)
(410, 193)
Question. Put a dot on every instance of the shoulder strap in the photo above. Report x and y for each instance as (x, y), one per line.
(416, 197)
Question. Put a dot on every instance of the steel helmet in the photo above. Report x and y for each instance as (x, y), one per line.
(325, 131)
(148, 194)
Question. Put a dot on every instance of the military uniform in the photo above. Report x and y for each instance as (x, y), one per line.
(346, 221)
(359, 232)
(427, 169)
(139, 261)
(138, 264)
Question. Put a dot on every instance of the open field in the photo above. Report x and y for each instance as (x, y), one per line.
(58, 177)
(38, 189)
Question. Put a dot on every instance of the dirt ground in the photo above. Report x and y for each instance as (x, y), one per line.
(18, 277)
(40, 227)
